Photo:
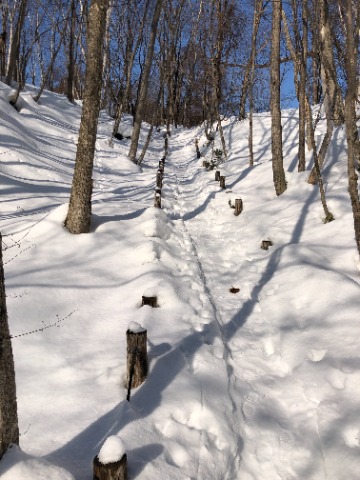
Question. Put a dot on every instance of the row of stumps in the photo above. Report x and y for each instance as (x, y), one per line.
(111, 461)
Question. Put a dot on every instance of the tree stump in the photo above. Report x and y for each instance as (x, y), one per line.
(110, 471)
(206, 164)
(166, 146)
(265, 244)
(163, 160)
(217, 176)
(238, 206)
(222, 182)
(137, 362)
(157, 200)
(161, 166)
(159, 179)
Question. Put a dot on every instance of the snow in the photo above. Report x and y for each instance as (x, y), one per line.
(262, 382)
(112, 451)
(135, 327)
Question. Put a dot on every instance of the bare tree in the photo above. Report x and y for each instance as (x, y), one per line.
(78, 219)
(15, 44)
(144, 82)
(352, 43)
(9, 430)
(276, 127)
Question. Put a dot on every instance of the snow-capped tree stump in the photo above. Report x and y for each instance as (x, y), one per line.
(137, 362)
(222, 181)
(265, 244)
(159, 179)
(238, 206)
(217, 176)
(157, 200)
(111, 462)
(151, 301)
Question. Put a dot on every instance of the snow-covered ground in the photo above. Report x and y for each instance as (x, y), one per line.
(257, 383)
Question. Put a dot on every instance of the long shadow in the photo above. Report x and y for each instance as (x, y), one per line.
(97, 221)
(200, 209)
(244, 313)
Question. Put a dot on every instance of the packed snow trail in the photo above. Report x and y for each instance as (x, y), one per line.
(258, 364)
(253, 355)
(212, 335)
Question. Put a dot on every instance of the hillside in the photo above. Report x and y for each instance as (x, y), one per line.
(243, 385)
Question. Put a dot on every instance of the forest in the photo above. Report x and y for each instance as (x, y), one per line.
(94, 95)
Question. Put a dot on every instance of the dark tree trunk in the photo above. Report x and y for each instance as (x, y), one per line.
(144, 82)
(78, 219)
(276, 127)
(350, 116)
(71, 60)
(9, 431)
(15, 44)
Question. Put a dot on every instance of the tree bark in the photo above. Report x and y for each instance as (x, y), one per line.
(332, 94)
(78, 219)
(276, 127)
(350, 116)
(15, 44)
(9, 430)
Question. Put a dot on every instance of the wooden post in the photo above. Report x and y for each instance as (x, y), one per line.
(137, 362)
(217, 176)
(238, 206)
(157, 200)
(222, 181)
(161, 166)
(166, 146)
(159, 179)
(110, 471)
(198, 154)
(111, 461)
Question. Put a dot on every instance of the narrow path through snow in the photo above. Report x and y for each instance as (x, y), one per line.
(212, 326)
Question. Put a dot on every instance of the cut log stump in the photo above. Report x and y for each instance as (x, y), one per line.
(110, 471)
(159, 179)
(265, 244)
(222, 182)
(157, 200)
(217, 176)
(238, 206)
(137, 361)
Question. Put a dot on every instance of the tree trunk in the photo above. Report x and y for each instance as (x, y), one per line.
(78, 219)
(258, 11)
(276, 127)
(144, 82)
(9, 431)
(15, 44)
(350, 116)
(332, 94)
(71, 59)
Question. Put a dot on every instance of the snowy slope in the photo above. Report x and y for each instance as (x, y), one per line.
(262, 382)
